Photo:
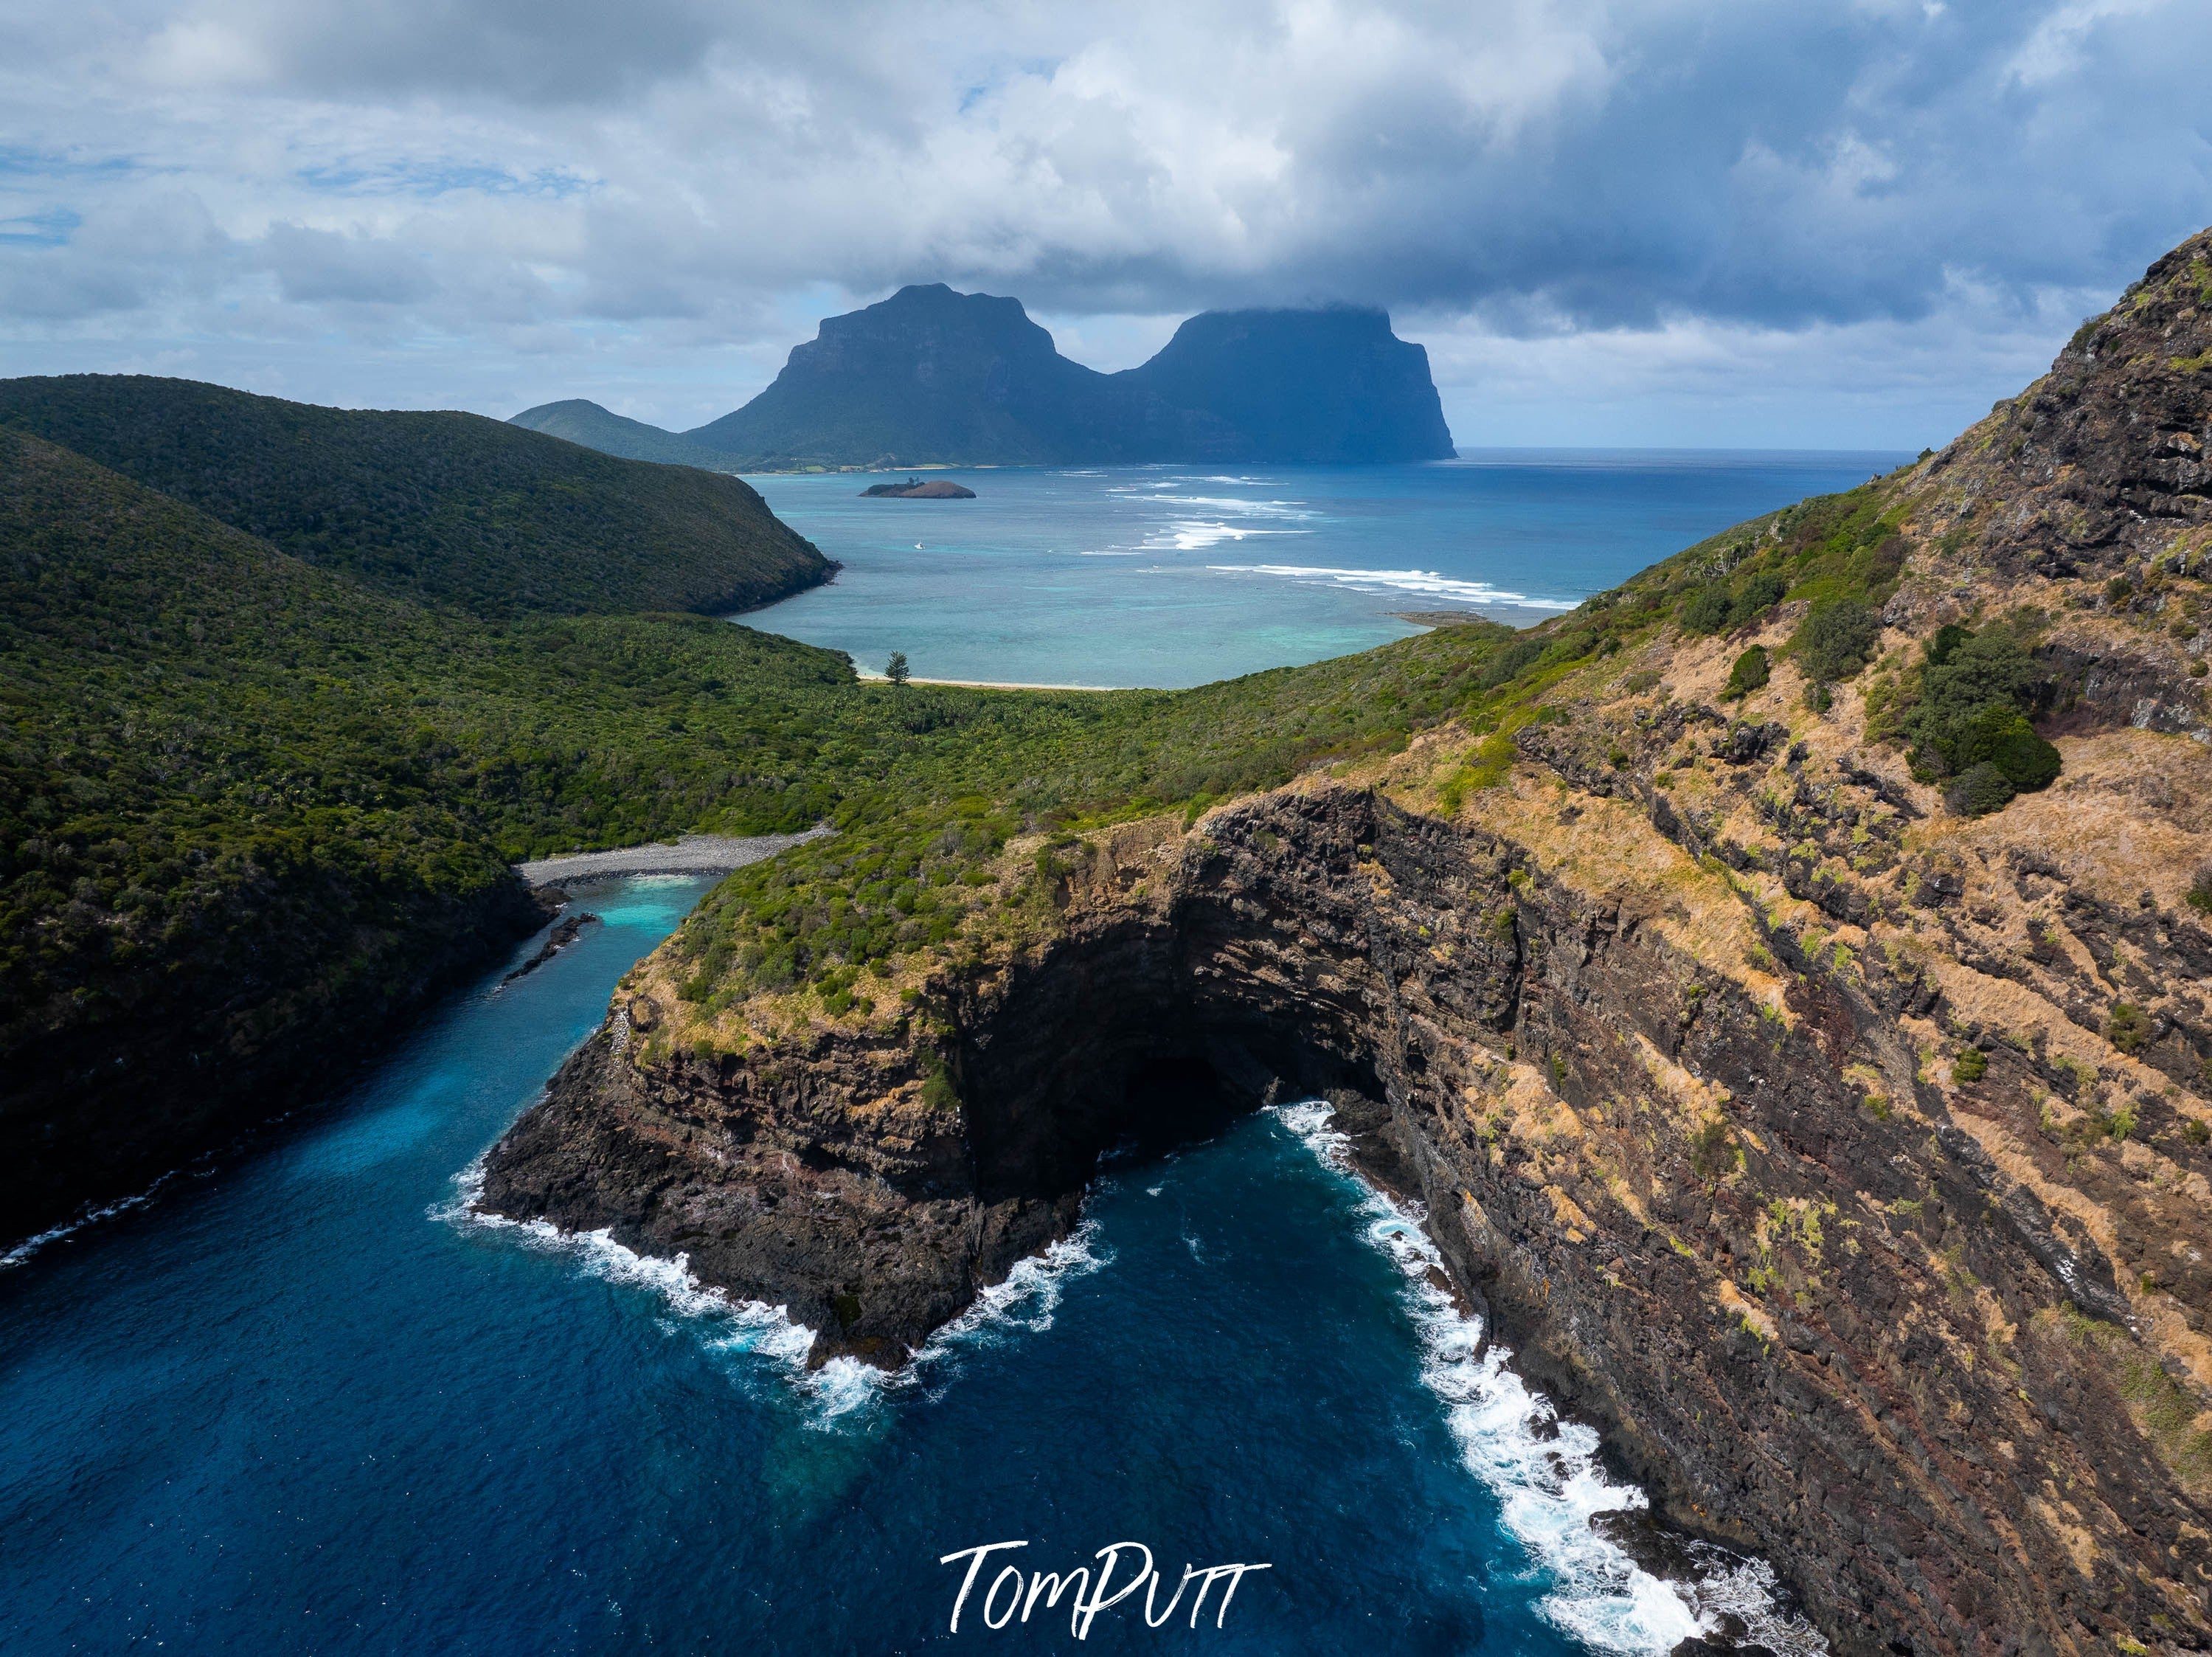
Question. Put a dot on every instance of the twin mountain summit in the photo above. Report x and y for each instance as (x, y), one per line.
(930, 377)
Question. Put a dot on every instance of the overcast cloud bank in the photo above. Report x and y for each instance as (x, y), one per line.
(1722, 222)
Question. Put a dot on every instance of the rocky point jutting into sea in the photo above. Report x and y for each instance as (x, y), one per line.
(1842, 1152)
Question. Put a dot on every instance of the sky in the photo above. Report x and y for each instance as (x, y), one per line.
(1729, 223)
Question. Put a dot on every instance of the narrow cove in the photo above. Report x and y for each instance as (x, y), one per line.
(299, 1403)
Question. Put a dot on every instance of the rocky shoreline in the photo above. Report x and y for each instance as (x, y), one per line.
(1842, 1150)
(1540, 1066)
(689, 854)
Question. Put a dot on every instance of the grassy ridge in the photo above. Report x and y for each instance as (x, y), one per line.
(826, 918)
(254, 807)
(442, 507)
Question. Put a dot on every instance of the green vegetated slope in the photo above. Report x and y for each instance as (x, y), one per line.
(822, 915)
(252, 810)
(579, 420)
(450, 509)
(257, 807)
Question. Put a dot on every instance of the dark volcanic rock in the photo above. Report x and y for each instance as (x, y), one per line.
(564, 934)
(2101, 463)
(937, 489)
(1500, 1046)
(932, 375)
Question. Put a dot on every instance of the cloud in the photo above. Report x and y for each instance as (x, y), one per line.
(650, 195)
(319, 266)
(532, 51)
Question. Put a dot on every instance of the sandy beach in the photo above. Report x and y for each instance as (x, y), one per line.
(695, 854)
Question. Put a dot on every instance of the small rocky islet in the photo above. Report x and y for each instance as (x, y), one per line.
(913, 489)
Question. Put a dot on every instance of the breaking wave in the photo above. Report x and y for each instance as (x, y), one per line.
(751, 1328)
(1545, 1471)
(1425, 583)
(839, 1387)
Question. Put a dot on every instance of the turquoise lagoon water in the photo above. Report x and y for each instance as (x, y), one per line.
(301, 1404)
(1167, 576)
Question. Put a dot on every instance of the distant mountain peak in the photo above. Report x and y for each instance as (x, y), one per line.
(579, 420)
(934, 375)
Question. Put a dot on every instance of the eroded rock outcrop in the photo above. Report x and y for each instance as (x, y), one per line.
(1726, 1219)
(1847, 1160)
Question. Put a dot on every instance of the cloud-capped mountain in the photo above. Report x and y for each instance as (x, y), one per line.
(933, 376)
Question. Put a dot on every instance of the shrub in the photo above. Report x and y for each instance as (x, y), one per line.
(1506, 664)
(1715, 608)
(2127, 1027)
(1948, 638)
(2001, 736)
(938, 1092)
(1712, 1151)
(1971, 713)
(1761, 592)
(1970, 1066)
(2199, 896)
(1750, 673)
(1983, 789)
(1707, 611)
(1835, 640)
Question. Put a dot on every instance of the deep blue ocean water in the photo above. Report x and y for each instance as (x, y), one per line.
(1167, 576)
(300, 1403)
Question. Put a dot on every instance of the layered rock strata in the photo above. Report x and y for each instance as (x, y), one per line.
(1815, 1314)
(1848, 1161)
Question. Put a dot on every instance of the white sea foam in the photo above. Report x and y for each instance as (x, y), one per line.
(1025, 1301)
(1248, 508)
(726, 1325)
(1426, 584)
(840, 1387)
(1195, 534)
(30, 1246)
(1547, 1486)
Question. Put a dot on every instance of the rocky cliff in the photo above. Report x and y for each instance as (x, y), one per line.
(1839, 1141)
(932, 375)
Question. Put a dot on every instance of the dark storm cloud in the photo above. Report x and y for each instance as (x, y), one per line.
(533, 52)
(672, 171)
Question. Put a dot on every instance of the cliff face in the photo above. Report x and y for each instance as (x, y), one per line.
(1324, 386)
(1847, 1160)
(930, 375)
(1866, 1324)
(927, 375)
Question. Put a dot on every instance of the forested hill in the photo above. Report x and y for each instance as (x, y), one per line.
(254, 812)
(446, 508)
(582, 421)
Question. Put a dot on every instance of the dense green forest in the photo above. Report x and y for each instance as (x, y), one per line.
(822, 915)
(256, 806)
(252, 809)
(448, 509)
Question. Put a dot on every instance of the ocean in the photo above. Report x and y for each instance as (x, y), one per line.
(1167, 576)
(300, 1401)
